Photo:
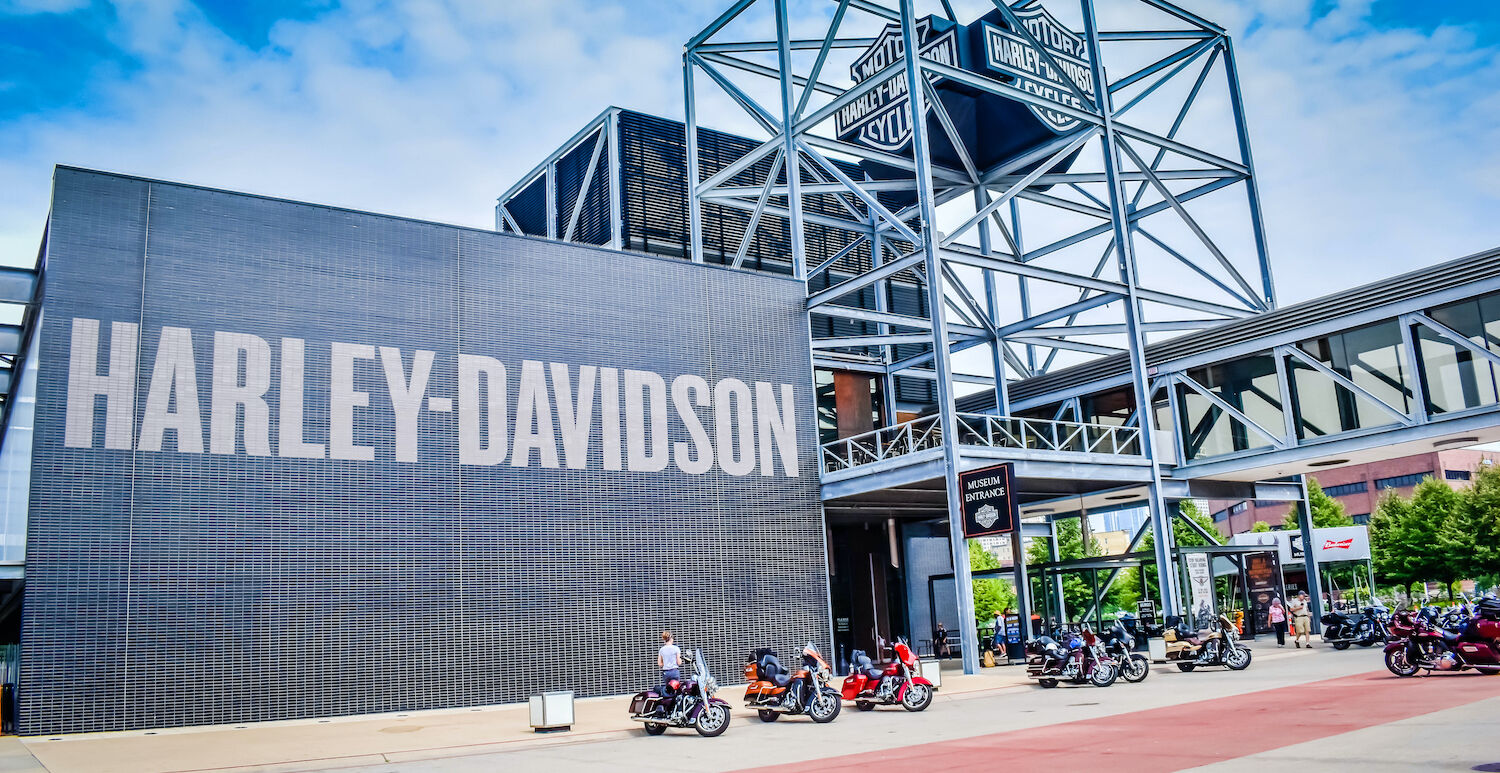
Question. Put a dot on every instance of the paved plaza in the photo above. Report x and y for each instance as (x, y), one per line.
(1335, 710)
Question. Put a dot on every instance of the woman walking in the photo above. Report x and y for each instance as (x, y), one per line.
(1277, 616)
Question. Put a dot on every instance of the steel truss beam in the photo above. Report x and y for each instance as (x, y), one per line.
(948, 268)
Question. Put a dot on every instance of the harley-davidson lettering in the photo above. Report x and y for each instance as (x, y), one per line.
(527, 414)
(881, 118)
(1014, 55)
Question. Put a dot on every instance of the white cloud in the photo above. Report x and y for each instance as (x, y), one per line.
(1376, 149)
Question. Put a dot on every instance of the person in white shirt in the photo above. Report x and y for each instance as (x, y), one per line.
(1301, 620)
(669, 660)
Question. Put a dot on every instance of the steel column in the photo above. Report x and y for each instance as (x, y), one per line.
(1310, 558)
(942, 357)
(1126, 254)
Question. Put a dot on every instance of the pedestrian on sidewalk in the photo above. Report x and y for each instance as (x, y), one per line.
(1302, 620)
(669, 660)
(1277, 615)
(940, 642)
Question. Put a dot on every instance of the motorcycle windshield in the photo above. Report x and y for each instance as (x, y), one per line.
(700, 672)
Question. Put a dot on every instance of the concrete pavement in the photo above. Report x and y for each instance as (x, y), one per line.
(953, 718)
(992, 717)
(301, 745)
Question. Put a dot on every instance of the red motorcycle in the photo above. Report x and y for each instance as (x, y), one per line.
(869, 685)
(1423, 646)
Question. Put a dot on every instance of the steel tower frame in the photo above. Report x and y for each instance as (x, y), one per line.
(1024, 330)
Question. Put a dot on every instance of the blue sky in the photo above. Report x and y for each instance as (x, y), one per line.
(1376, 123)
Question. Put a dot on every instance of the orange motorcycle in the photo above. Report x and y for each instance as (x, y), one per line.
(774, 690)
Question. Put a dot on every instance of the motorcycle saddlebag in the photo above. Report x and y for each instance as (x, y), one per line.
(644, 702)
(1488, 608)
(1487, 629)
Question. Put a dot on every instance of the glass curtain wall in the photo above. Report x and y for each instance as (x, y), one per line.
(1373, 357)
(1457, 379)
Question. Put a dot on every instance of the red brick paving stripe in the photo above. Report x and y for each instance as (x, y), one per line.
(1189, 735)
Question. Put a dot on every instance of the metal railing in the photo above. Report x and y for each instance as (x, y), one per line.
(978, 429)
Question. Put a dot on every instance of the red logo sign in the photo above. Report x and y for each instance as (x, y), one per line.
(1338, 544)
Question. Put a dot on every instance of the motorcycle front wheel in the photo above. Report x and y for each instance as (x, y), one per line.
(1238, 659)
(712, 720)
(654, 728)
(1103, 676)
(767, 715)
(826, 707)
(1399, 664)
(1136, 669)
(917, 697)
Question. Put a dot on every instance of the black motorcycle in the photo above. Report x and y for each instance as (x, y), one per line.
(1366, 629)
(1079, 658)
(1120, 645)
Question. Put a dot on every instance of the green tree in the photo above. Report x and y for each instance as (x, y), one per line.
(991, 594)
(1078, 596)
(1389, 541)
(1185, 535)
(1470, 540)
(1327, 512)
(1260, 527)
(1407, 538)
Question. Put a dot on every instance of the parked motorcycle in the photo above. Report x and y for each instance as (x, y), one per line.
(686, 702)
(1120, 645)
(1218, 646)
(1366, 629)
(1422, 646)
(1077, 657)
(774, 690)
(869, 685)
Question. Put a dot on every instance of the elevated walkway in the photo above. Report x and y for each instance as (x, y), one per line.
(1401, 366)
(898, 470)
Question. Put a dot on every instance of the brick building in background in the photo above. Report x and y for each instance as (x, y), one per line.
(1359, 486)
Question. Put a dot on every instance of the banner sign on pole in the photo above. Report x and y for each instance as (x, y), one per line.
(1202, 585)
(990, 502)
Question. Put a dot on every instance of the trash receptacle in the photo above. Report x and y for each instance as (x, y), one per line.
(1157, 647)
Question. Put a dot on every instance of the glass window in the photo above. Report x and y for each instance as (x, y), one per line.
(1373, 358)
(1361, 519)
(828, 418)
(1457, 474)
(1112, 408)
(1248, 385)
(1401, 481)
(1456, 378)
(1346, 489)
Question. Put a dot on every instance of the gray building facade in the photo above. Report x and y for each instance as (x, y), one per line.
(295, 461)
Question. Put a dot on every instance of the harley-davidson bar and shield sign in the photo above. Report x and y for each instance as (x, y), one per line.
(1039, 55)
(990, 502)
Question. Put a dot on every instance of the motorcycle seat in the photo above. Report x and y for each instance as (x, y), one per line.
(772, 671)
(862, 665)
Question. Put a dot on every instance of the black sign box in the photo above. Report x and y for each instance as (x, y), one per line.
(989, 500)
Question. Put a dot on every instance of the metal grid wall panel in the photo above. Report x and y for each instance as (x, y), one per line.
(233, 582)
